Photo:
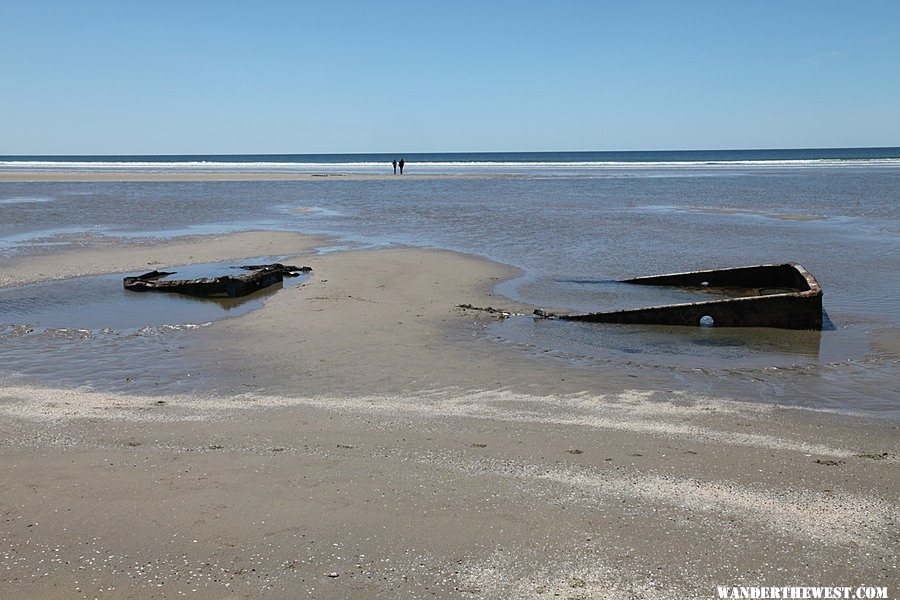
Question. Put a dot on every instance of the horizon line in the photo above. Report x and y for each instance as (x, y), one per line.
(448, 152)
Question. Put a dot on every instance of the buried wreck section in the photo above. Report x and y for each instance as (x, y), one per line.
(785, 296)
(95, 331)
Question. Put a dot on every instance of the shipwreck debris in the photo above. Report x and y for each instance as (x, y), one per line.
(501, 313)
(292, 270)
(227, 286)
(785, 296)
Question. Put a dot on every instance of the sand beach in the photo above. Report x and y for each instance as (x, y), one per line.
(578, 301)
(383, 448)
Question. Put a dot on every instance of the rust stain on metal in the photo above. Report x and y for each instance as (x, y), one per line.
(785, 296)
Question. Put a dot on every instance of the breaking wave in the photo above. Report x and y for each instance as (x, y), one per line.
(430, 167)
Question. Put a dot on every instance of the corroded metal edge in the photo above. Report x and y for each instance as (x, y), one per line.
(800, 308)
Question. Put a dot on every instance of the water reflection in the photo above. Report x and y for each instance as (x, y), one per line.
(670, 346)
(100, 302)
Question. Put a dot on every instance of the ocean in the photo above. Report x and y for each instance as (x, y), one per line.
(571, 222)
(459, 163)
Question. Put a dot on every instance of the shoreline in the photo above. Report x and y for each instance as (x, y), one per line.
(108, 255)
(380, 449)
(118, 176)
(327, 172)
(102, 256)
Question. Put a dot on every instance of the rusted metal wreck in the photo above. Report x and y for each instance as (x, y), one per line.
(227, 286)
(785, 296)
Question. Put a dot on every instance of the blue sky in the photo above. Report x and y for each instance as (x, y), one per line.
(158, 77)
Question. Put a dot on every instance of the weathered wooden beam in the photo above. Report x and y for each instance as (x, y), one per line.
(262, 276)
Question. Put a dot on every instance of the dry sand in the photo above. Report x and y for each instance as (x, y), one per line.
(383, 448)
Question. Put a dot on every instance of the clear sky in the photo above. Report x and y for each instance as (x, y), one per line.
(160, 77)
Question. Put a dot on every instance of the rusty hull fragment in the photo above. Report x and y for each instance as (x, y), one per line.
(785, 296)
(261, 276)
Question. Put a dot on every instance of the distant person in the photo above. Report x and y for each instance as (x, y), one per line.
(395, 166)
(402, 162)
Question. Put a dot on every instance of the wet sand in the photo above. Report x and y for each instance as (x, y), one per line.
(231, 175)
(381, 447)
(111, 255)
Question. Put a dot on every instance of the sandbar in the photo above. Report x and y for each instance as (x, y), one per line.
(381, 446)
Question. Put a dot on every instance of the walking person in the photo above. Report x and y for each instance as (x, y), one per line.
(401, 163)
(395, 166)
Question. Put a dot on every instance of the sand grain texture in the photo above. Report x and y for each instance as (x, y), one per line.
(401, 454)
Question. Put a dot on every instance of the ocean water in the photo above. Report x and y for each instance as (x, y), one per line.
(572, 223)
(536, 164)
